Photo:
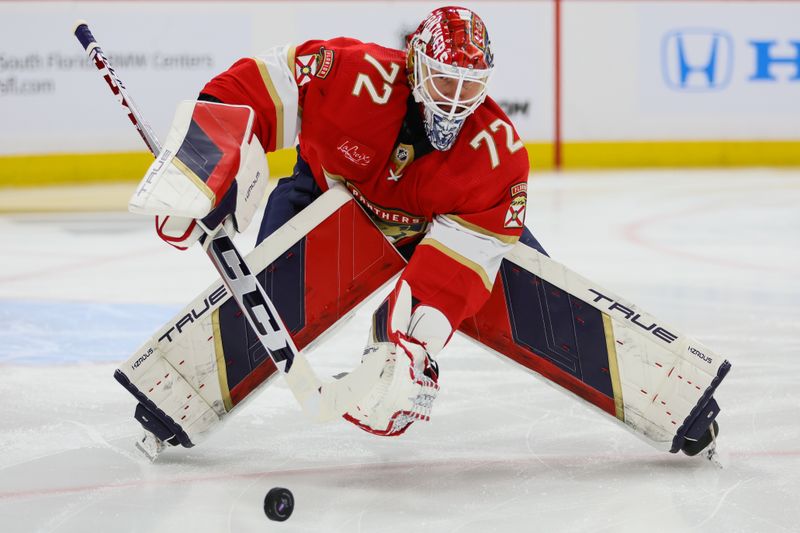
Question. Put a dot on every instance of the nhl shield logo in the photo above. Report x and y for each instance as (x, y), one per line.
(401, 154)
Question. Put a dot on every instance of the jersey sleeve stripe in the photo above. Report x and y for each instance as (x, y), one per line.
(290, 58)
(506, 239)
(332, 179)
(484, 252)
(455, 256)
(276, 101)
(282, 88)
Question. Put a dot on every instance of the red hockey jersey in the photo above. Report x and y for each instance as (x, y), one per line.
(347, 100)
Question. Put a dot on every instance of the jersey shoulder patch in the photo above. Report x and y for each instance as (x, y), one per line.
(515, 216)
(318, 58)
(318, 64)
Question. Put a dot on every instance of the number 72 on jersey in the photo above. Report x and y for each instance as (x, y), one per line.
(484, 137)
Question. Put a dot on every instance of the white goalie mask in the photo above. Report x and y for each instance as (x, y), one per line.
(450, 63)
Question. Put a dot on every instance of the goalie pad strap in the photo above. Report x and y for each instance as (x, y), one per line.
(186, 226)
(165, 419)
(703, 414)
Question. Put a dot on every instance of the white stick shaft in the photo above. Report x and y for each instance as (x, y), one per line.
(99, 60)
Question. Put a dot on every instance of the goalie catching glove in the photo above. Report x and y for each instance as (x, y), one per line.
(211, 170)
(405, 340)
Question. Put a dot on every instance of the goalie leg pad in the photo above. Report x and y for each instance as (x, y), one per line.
(175, 402)
(702, 420)
(636, 369)
(160, 421)
(150, 422)
(316, 270)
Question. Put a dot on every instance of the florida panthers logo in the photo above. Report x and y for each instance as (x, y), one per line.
(308, 66)
(515, 216)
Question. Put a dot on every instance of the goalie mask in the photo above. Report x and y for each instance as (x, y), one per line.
(449, 65)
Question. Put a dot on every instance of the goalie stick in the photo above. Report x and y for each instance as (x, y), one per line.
(320, 400)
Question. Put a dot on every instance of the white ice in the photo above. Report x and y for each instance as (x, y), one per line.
(714, 253)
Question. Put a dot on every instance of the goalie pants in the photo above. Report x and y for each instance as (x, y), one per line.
(293, 194)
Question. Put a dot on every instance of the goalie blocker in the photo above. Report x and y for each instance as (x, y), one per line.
(211, 169)
(635, 369)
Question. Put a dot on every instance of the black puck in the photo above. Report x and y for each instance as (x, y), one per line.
(279, 504)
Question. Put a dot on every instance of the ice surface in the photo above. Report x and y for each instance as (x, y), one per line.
(714, 253)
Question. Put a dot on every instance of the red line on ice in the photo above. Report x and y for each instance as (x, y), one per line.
(401, 466)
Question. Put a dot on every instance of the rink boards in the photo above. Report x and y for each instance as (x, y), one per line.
(542, 316)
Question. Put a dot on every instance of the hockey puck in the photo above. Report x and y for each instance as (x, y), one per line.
(279, 504)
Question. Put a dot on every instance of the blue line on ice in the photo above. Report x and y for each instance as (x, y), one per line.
(45, 333)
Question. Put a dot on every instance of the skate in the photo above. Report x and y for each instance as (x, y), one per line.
(150, 445)
(705, 446)
(155, 437)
